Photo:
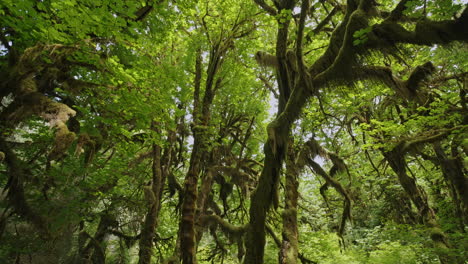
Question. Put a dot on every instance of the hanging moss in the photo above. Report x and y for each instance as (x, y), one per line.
(419, 74)
(63, 140)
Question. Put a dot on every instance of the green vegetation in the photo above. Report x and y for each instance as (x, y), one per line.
(283, 131)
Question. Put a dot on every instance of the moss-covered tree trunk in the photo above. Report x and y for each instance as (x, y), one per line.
(186, 229)
(396, 160)
(289, 246)
(274, 149)
(201, 115)
(452, 169)
(260, 202)
(205, 190)
(292, 97)
(153, 194)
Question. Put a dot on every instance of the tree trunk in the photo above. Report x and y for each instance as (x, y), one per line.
(396, 160)
(153, 197)
(187, 229)
(453, 172)
(201, 114)
(260, 203)
(186, 226)
(289, 246)
(205, 190)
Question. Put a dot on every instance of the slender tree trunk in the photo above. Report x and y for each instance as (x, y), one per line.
(186, 226)
(289, 246)
(201, 114)
(153, 197)
(187, 229)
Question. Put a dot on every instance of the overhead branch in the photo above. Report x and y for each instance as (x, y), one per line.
(338, 187)
(129, 240)
(269, 87)
(346, 54)
(326, 20)
(408, 90)
(312, 149)
(336, 42)
(143, 12)
(426, 32)
(273, 235)
(225, 226)
(270, 10)
(410, 144)
(445, 78)
(335, 66)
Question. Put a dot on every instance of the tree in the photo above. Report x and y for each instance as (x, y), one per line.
(144, 131)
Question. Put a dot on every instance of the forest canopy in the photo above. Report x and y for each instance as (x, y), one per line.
(236, 131)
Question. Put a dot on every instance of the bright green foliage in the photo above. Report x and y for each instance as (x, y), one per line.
(89, 90)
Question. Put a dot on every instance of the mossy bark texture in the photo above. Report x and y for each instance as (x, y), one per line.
(154, 206)
(289, 245)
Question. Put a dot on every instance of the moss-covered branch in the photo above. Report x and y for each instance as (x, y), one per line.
(227, 227)
(339, 188)
(325, 21)
(313, 148)
(407, 90)
(426, 32)
(396, 160)
(434, 136)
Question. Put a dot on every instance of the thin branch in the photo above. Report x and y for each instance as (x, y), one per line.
(325, 21)
(270, 10)
(273, 235)
(407, 145)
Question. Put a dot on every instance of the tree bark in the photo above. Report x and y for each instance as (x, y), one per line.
(396, 160)
(187, 230)
(201, 115)
(292, 98)
(289, 245)
(453, 172)
(154, 196)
